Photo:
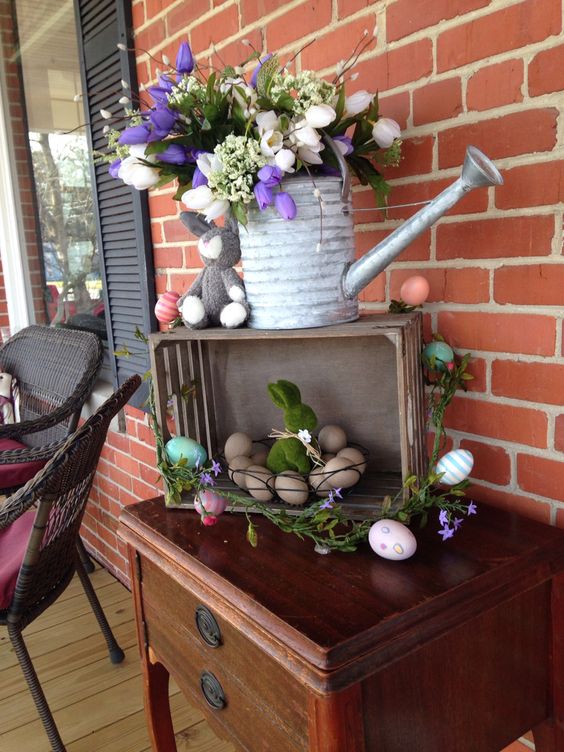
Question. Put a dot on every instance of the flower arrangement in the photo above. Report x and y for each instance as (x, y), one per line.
(230, 137)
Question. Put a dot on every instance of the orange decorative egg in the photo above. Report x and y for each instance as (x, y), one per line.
(166, 309)
(414, 291)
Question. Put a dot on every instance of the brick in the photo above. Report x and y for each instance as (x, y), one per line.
(505, 422)
(396, 106)
(472, 203)
(236, 52)
(338, 45)
(495, 85)
(535, 382)
(150, 37)
(347, 7)
(477, 368)
(499, 237)
(522, 132)
(175, 232)
(499, 332)
(156, 233)
(419, 250)
(440, 100)
(546, 71)
(396, 67)
(559, 433)
(223, 24)
(416, 159)
(375, 291)
(163, 206)
(168, 258)
(491, 463)
(297, 23)
(448, 285)
(406, 17)
(138, 14)
(507, 29)
(560, 518)
(537, 184)
(253, 10)
(118, 441)
(541, 476)
(179, 18)
(511, 502)
(530, 285)
(181, 282)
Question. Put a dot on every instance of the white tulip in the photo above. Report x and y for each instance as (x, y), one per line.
(285, 160)
(216, 209)
(140, 176)
(304, 135)
(358, 102)
(320, 115)
(385, 132)
(198, 198)
(209, 163)
(271, 142)
(267, 121)
(138, 150)
(308, 156)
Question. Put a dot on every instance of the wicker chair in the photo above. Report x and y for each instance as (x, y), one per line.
(38, 546)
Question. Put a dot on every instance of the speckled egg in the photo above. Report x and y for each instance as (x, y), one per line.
(355, 456)
(456, 466)
(415, 290)
(392, 540)
(438, 353)
(291, 488)
(257, 479)
(318, 481)
(340, 474)
(166, 309)
(183, 447)
(238, 445)
(238, 464)
(332, 439)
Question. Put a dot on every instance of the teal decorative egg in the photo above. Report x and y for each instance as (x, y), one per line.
(182, 446)
(456, 466)
(440, 352)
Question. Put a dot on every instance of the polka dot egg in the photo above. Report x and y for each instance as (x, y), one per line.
(392, 540)
(456, 466)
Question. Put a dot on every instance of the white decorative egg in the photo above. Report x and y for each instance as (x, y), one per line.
(392, 540)
(456, 466)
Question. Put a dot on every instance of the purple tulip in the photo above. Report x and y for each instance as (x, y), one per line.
(138, 134)
(159, 94)
(162, 120)
(184, 59)
(347, 142)
(166, 83)
(270, 175)
(173, 154)
(263, 195)
(257, 69)
(326, 169)
(114, 168)
(285, 205)
(198, 178)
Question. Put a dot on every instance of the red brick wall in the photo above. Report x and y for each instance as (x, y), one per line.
(452, 73)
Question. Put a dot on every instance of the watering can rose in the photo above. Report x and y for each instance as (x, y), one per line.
(216, 133)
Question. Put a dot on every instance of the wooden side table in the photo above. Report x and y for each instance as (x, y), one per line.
(460, 649)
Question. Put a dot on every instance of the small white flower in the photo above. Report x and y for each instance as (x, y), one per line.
(209, 163)
(271, 142)
(246, 42)
(385, 131)
(124, 84)
(317, 193)
(320, 115)
(106, 114)
(77, 98)
(340, 67)
(304, 436)
(121, 46)
(358, 102)
(166, 59)
(354, 76)
(318, 248)
(198, 198)
(106, 129)
(124, 100)
(285, 160)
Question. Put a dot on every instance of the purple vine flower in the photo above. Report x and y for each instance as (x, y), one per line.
(215, 468)
(446, 532)
(327, 504)
(444, 517)
(471, 509)
(457, 523)
(206, 479)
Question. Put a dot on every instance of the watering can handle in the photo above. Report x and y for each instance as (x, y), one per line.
(343, 167)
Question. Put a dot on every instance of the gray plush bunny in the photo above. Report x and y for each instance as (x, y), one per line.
(217, 296)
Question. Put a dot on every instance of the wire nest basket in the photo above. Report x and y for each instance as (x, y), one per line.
(291, 487)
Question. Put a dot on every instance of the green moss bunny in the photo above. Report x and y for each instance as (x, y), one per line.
(290, 454)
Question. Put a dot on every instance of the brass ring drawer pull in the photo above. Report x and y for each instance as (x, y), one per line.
(212, 691)
(208, 627)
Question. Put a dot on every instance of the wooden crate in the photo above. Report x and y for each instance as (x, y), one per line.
(364, 376)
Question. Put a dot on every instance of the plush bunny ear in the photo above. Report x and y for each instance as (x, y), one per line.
(196, 223)
(232, 224)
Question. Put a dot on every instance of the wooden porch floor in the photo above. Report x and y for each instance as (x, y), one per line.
(98, 706)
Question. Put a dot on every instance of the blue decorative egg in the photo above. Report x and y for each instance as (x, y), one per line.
(456, 466)
(437, 354)
(190, 450)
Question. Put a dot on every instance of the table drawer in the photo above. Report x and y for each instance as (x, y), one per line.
(255, 685)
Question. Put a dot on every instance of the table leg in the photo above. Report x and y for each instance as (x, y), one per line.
(336, 722)
(157, 706)
(549, 735)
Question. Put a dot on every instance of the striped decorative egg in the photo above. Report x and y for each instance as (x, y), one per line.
(456, 466)
(165, 309)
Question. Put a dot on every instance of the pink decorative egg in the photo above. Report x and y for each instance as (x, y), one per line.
(165, 309)
(414, 291)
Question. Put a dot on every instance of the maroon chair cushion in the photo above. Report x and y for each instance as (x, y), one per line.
(13, 542)
(17, 474)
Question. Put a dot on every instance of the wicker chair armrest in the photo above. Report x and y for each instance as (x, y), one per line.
(25, 427)
(30, 454)
(14, 506)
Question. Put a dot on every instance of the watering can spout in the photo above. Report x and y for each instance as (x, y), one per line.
(477, 171)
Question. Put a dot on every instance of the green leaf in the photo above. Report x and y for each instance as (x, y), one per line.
(156, 147)
(252, 535)
(285, 102)
(340, 106)
(181, 191)
(210, 87)
(211, 112)
(239, 212)
(266, 75)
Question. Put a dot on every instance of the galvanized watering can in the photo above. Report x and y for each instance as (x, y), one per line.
(302, 273)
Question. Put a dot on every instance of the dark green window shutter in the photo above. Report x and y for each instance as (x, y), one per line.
(124, 233)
